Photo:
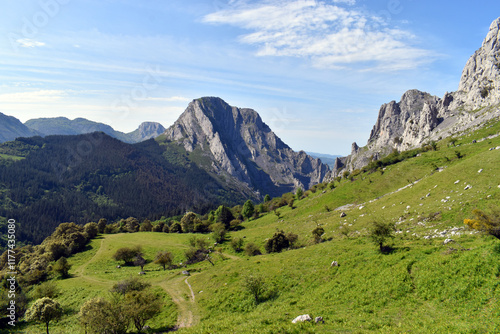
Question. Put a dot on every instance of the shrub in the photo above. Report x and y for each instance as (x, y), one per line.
(127, 254)
(256, 286)
(237, 244)
(129, 285)
(299, 193)
(62, 267)
(164, 259)
(46, 289)
(188, 222)
(140, 306)
(486, 223)
(380, 232)
(146, 226)
(91, 229)
(317, 234)
(252, 249)
(98, 315)
(175, 227)
(218, 232)
(277, 243)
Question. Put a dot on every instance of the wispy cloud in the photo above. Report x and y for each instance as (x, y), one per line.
(33, 96)
(330, 35)
(29, 43)
(168, 99)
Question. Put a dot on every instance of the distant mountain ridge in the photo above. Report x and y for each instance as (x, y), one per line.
(420, 117)
(237, 145)
(12, 128)
(65, 126)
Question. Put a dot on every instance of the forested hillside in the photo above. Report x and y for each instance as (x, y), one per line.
(47, 181)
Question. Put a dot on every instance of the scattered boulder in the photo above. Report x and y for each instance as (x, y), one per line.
(142, 273)
(343, 214)
(334, 264)
(185, 272)
(468, 187)
(146, 328)
(118, 267)
(319, 319)
(447, 241)
(302, 318)
(480, 171)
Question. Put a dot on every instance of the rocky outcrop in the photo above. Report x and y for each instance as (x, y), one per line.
(146, 130)
(237, 145)
(419, 117)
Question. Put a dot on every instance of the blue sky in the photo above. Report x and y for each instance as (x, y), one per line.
(317, 71)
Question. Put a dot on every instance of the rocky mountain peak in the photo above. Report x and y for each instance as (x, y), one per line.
(480, 82)
(237, 144)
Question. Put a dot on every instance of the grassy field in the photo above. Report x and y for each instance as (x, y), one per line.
(422, 286)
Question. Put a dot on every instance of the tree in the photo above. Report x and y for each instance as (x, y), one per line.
(139, 261)
(224, 215)
(218, 232)
(62, 267)
(237, 244)
(248, 209)
(140, 306)
(101, 225)
(146, 226)
(44, 310)
(188, 222)
(299, 193)
(256, 286)
(98, 315)
(252, 249)
(277, 243)
(127, 254)
(380, 232)
(91, 229)
(267, 198)
(132, 225)
(164, 259)
(175, 227)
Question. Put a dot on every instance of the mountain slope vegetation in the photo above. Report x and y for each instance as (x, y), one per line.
(436, 275)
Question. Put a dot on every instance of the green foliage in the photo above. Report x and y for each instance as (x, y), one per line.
(101, 225)
(129, 285)
(277, 243)
(127, 254)
(380, 232)
(46, 289)
(98, 315)
(218, 232)
(164, 259)
(91, 229)
(224, 216)
(140, 306)
(248, 209)
(317, 234)
(267, 198)
(175, 227)
(256, 286)
(189, 221)
(487, 223)
(44, 310)
(252, 249)
(299, 193)
(61, 268)
(237, 244)
(146, 226)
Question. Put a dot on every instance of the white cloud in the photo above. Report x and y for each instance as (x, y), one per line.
(29, 43)
(33, 96)
(167, 99)
(330, 35)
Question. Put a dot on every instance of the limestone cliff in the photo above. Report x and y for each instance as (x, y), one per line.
(420, 117)
(237, 145)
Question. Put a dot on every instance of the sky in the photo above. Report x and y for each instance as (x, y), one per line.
(317, 71)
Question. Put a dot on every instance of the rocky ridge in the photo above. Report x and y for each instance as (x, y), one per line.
(420, 117)
(238, 146)
(11, 128)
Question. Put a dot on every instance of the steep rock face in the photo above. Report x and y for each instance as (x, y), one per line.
(146, 130)
(480, 81)
(420, 117)
(236, 143)
(11, 128)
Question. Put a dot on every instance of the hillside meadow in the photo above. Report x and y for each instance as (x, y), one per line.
(422, 285)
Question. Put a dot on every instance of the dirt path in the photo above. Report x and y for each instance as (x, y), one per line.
(184, 299)
(81, 270)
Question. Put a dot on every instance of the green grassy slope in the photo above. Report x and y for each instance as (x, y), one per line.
(423, 286)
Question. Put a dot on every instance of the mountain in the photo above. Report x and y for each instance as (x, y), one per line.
(236, 145)
(84, 178)
(11, 128)
(65, 126)
(420, 117)
(325, 158)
